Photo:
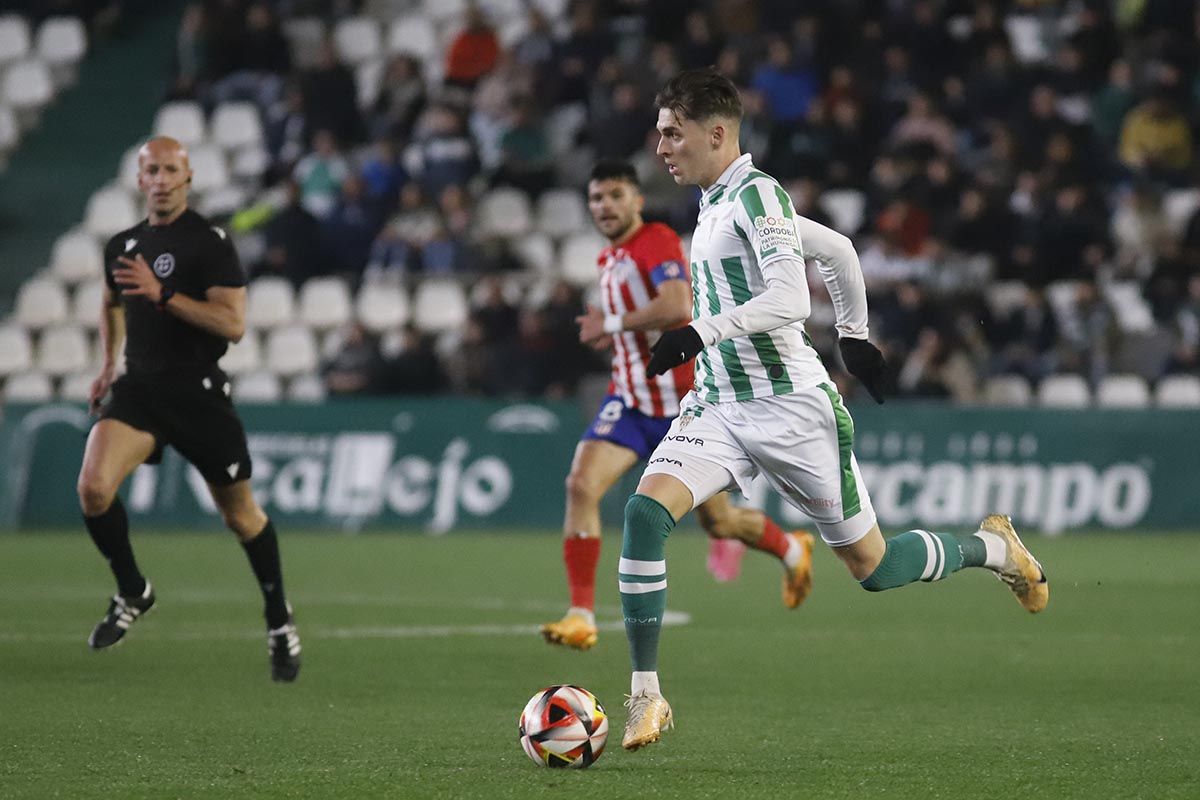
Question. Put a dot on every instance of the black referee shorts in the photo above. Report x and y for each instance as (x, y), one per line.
(191, 412)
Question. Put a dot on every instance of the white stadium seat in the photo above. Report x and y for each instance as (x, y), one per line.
(28, 387)
(536, 251)
(249, 163)
(291, 351)
(222, 201)
(243, 356)
(442, 11)
(1064, 391)
(182, 120)
(1007, 390)
(10, 132)
(1178, 391)
(439, 305)
(77, 256)
(87, 304)
(257, 388)
(561, 212)
(382, 307)
(306, 389)
(845, 208)
(27, 87)
(41, 303)
(127, 172)
(209, 168)
(358, 39)
(504, 212)
(368, 78)
(61, 43)
(62, 350)
(16, 351)
(305, 35)
(324, 303)
(236, 124)
(1179, 205)
(14, 38)
(1122, 391)
(76, 387)
(413, 35)
(1028, 38)
(270, 303)
(110, 210)
(577, 258)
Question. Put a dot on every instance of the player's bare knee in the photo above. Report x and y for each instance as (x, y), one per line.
(95, 496)
(580, 490)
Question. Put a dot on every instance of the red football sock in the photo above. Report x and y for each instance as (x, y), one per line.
(581, 554)
(773, 539)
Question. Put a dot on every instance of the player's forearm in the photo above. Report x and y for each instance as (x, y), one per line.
(112, 334)
(216, 318)
(785, 301)
(660, 314)
(838, 264)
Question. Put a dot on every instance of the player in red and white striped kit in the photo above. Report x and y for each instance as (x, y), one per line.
(645, 288)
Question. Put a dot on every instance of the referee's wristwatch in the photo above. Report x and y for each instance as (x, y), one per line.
(164, 297)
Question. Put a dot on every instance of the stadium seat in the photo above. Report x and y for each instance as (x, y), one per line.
(262, 388)
(1007, 390)
(76, 387)
(414, 35)
(243, 356)
(27, 88)
(1122, 391)
(443, 11)
(306, 389)
(1064, 391)
(182, 120)
(87, 303)
(77, 256)
(501, 11)
(1004, 297)
(41, 303)
(16, 351)
(209, 167)
(10, 133)
(439, 305)
(222, 201)
(1133, 314)
(1178, 391)
(14, 39)
(1179, 205)
(563, 125)
(61, 43)
(368, 78)
(28, 387)
(110, 210)
(845, 208)
(535, 251)
(577, 258)
(62, 350)
(291, 351)
(270, 303)
(561, 212)
(357, 39)
(504, 212)
(236, 124)
(249, 163)
(127, 172)
(325, 303)
(382, 307)
(1027, 37)
(304, 35)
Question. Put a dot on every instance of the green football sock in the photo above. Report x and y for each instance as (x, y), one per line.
(642, 577)
(924, 556)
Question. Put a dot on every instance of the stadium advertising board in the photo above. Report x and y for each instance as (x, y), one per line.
(439, 464)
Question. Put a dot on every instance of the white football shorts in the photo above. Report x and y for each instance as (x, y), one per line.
(801, 443)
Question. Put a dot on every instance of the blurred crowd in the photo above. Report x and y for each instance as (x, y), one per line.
(1008, 166)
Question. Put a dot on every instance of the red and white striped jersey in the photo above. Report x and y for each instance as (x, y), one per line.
(629, 278)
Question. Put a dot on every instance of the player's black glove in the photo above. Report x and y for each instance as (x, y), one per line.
(673, 348)
(865, 362)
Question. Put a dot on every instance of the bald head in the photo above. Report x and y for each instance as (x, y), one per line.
(164, 176)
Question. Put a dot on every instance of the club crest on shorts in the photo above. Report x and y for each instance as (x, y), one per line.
(164, 265)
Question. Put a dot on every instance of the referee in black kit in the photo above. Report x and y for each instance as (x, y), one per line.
(175, 297)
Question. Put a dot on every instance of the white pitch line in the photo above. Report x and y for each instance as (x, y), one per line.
(671, 618)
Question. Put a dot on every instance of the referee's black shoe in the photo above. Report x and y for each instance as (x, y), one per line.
(283, 647)
(123, 611)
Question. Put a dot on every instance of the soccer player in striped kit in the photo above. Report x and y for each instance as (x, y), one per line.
(644, 288)
(763, 403)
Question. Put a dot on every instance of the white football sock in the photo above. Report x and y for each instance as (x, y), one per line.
(644, 682)
(794, 554)
(997, 549)
(586, 613)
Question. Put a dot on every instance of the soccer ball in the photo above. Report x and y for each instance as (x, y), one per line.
(563, 726)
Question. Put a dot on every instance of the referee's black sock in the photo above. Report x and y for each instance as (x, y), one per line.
(263, 552)
(110, 532)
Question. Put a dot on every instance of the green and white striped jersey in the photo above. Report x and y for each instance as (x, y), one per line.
(746, 239)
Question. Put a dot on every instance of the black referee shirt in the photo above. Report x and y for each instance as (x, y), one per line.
(189, 255)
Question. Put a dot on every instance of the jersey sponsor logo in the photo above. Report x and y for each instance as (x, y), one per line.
(776, 232)
(685, 439)
(164, 265)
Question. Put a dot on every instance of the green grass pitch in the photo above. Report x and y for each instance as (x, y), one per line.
(420, 652)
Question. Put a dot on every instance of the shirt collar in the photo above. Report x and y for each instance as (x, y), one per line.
(732, 174)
